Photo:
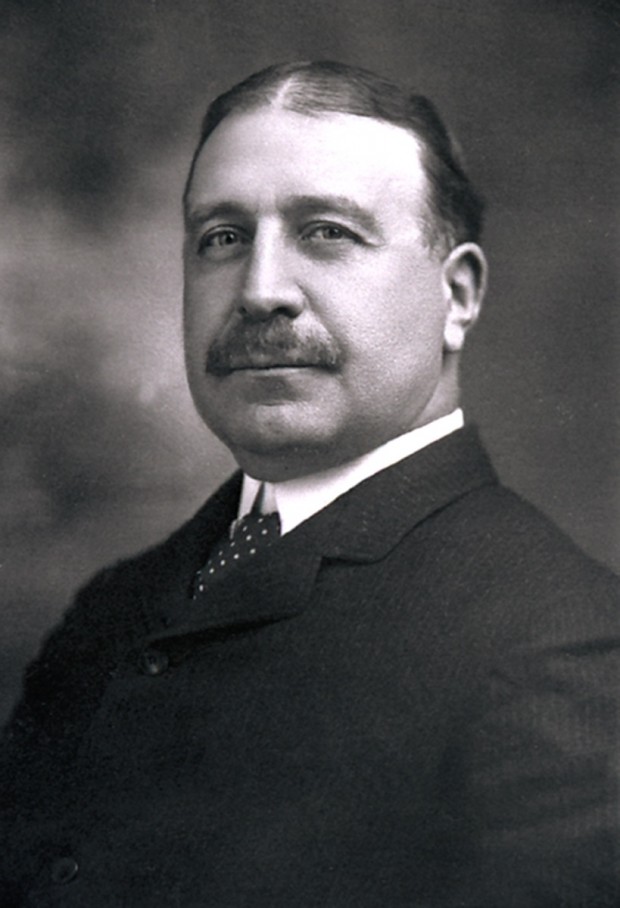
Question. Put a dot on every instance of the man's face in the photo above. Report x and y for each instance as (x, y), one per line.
(314, 309)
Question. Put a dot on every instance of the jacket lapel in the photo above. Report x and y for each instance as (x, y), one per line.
(371, 519)
(361, 526)
(274, 585)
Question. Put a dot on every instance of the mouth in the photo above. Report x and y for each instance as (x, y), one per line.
(265, 363)
(269, 366)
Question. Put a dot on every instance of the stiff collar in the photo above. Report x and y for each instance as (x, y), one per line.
(296, 500)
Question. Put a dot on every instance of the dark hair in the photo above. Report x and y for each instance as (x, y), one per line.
(455, 207)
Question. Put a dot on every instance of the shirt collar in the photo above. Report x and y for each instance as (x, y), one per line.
(298, 499)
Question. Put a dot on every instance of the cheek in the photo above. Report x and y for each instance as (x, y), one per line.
(416, 312)
(197, 338)
(208, 294)
(383, 323)
(203, 315)
(194, 318)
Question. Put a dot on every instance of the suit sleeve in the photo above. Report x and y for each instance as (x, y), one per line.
(543, 761)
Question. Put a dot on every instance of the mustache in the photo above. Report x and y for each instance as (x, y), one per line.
(271, 344)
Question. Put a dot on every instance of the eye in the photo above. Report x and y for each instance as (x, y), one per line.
(221, 242)
(327, 233)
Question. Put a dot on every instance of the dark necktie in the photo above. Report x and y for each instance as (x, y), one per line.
(247, 536)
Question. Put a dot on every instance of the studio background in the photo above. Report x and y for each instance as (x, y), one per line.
(101, 453)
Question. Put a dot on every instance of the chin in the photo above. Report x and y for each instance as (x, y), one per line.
(264, 428)
(276, 443)
(281, 452)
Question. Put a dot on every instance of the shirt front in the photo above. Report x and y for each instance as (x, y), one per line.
(296, 500)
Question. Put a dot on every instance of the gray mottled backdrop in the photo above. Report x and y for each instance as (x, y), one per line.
(100, 451)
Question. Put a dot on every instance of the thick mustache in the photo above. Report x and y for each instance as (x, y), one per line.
(269, 344)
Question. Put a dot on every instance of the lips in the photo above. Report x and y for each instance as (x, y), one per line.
(265, 360)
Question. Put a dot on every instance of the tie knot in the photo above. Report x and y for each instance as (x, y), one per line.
(254, 526)
(247, 536)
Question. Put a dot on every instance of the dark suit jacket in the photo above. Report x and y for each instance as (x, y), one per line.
(410, 700)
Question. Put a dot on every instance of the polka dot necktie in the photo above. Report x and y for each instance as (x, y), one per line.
(248, 536)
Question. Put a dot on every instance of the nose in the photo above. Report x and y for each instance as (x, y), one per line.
(269, 285)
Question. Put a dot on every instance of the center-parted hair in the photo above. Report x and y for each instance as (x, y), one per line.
(312, 88)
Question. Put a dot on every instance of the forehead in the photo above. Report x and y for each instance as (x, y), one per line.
(266, 153)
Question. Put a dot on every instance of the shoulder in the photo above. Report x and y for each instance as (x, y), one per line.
(110, 615)
(509, 564)
(511, 536)
(503, 578)
(116, 605)
(121, 596)
(532, 620)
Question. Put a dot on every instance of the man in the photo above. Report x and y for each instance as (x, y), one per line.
(364, 674)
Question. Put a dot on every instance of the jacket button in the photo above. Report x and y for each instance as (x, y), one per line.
(64, 870)
(154, 662)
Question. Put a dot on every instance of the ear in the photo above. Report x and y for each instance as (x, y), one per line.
(464, 282)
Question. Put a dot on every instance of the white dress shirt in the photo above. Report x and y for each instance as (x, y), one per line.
(296, 500)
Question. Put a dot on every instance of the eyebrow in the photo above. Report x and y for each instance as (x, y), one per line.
(295, 206)
(340, 204)
(200, 214)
